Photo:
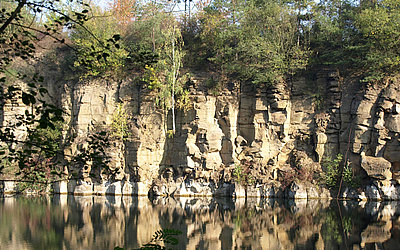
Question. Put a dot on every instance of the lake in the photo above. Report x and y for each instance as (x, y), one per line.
(104, 222)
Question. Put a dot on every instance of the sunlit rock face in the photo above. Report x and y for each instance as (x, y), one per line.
(104, 222)
(277, 134)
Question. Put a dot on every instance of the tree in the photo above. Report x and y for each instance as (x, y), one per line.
(165, 77)
(173, 62)
(359, 39)
(254, 41)
(96, 43)
(379, 36)
(125, 10)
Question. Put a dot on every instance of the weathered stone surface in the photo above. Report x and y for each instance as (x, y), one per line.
(239, 191)
(83, 188)
(261, 104)
(322, 138)
(100, 188)
(376, 167)
(396, 109)
(393, 123)
(8, 187)
(278, 118)
(261, 126)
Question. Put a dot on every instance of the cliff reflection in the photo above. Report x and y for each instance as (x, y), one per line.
(98, 222)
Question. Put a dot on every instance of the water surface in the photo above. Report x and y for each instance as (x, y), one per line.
(95, 222)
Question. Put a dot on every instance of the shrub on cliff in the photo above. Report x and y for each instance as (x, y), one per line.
(333, 174)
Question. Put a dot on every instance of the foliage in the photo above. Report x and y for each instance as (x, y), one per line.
(164, 77)
(119, 123)
(161, 238)
(242, 174)
(150, 77)
(302, 174)
(124, 10)
(30, 140)
(332, 174)
(93, 154)
(379, 36)
(349, 178)
(331, 171)
(318, 101)
(358, 38)
(147, 30)
(41, 161)
(97, 47)
(252, 40)
(256, 41)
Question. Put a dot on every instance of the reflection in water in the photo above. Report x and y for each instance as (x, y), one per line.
(98, 222)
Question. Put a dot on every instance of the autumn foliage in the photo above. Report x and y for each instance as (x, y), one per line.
(125, 10)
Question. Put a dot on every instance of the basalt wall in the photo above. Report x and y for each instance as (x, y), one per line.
(278, 134)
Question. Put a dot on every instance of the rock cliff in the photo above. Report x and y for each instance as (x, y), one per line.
(279, 135)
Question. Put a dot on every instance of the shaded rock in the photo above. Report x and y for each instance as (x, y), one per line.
(352, 194)
(296, 191)
(393, 123)
(267, 191)
(372, 192)
(60, 187)
(114, 188)
(388, 190)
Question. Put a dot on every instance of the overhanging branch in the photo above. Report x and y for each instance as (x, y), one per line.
(12, 16)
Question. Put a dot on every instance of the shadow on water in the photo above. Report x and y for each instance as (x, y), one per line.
(103, 222)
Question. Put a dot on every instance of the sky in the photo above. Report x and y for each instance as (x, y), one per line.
(179, 7)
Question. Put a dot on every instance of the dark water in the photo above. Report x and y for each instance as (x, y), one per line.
(66, 222)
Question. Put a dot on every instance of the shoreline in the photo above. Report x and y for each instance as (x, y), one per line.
(191, 189)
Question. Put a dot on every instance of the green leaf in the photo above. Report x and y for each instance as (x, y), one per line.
(116, 37)
(26, 98)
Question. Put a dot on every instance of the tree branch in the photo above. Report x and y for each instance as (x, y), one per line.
(69, 18)
(44, 33)
(12, 16)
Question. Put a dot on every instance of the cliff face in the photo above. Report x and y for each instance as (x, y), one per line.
(277, 134)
